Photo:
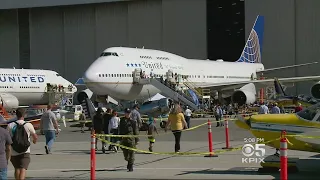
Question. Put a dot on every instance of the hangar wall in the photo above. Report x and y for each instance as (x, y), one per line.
(68, 39)
(291, 36)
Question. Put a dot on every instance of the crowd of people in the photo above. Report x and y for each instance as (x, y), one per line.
(15, 141)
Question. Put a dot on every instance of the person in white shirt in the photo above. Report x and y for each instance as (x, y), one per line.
(263, 109)
(275, 109)
(21, 161)
(113, 129)
(187, 114)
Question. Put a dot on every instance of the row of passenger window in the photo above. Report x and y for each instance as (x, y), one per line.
(10, 74)
(159, 75)
(29, 87)
(35, 75)
(115, 75)
(5, 87)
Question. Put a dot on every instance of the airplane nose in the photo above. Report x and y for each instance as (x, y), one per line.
(90, 74)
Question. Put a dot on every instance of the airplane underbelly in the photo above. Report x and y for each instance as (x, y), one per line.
(26, 99)
(131, 91)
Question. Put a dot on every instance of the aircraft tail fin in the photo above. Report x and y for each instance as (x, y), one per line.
(80, 82)
(88, 108)
(252, 50)
(278, 88)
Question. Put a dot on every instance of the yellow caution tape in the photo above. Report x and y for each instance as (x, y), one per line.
(145, 135)
(180, 153)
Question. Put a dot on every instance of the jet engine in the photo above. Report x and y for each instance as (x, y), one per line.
(315, 90)
(9, 101)
(84, 94)
(244, 95)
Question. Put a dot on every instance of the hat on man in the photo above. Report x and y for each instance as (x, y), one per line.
(136, 106)
(127, 110)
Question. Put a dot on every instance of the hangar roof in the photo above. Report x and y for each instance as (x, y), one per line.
(16, 4)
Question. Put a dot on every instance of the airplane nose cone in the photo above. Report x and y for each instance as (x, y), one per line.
(90, 74)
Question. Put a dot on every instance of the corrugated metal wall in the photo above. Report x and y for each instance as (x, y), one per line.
(279, 33)
(291, 36)
(68, 39)
(307, 39)
(9, 39)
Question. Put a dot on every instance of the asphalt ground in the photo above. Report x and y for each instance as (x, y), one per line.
(71, 158)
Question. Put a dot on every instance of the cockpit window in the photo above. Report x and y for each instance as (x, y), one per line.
(58, 74)
(108, 54)
(310, 112)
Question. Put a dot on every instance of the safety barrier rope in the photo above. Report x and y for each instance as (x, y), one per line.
(145, 135)
(180, 153)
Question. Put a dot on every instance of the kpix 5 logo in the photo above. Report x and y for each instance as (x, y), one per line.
(253, 153)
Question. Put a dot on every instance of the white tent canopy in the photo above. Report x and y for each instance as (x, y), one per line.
(156, 97)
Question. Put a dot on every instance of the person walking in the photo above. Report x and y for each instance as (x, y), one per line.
(49, 126)
(5, 152)
(113, 129)
(150, 131)
(135, 115)
(275, 109)
(219, 115)
(128, 127)
(20, 157)
(98, 124)
(177, 123)
(187, 114)
(263, 109)
(106, 119)
(82, 119)
(298, 108)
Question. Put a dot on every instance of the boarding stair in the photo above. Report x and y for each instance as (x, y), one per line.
(59, 95)
(168, 92)
(4, 113)
(191, 86)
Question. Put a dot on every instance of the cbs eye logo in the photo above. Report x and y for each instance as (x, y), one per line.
(258, 149)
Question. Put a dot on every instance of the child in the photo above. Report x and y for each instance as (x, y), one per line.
(151, 129)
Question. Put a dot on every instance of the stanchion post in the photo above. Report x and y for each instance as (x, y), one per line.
(93, 157)
(261, 91)
(227, 134)
(283, 157)
(210, 141)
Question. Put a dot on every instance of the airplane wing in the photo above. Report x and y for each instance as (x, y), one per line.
(286, 67)
(258, 83)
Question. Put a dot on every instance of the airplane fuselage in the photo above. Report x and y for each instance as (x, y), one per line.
(29, 86)
(269, 127)
(111, 73)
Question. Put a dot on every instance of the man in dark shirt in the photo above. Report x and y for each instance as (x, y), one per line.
(98, 124)
(5, 152)
(106, 119)
(128, 127)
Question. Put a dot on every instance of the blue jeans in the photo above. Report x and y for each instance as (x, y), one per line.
(3, 174)
(50, 137)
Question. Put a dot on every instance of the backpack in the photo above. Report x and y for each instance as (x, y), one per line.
(144, 127)
(20, 139)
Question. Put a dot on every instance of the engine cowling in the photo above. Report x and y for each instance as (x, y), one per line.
(315, 90)
(9, 101)
(84, 94)
(245, 95)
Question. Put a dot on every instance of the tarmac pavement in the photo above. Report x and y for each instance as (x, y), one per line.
(71, 158)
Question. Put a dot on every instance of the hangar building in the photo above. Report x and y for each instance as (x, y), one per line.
(68, 35)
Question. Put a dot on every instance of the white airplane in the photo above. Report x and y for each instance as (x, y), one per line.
(24, 87)
(112, 73)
